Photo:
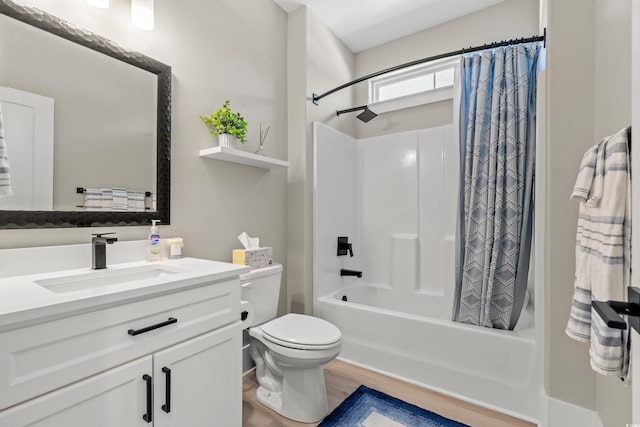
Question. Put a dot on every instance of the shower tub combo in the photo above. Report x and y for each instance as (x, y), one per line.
(395, 197)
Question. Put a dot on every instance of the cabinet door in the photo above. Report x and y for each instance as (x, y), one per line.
(116, 397)
(199, 382)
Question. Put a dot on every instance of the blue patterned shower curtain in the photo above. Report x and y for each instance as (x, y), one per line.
(495, 209)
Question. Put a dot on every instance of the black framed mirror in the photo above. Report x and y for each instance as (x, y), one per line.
(16, 219)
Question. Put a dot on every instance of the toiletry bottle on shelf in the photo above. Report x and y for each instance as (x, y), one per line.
(153, 243)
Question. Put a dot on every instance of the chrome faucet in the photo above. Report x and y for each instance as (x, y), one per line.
(99, 250)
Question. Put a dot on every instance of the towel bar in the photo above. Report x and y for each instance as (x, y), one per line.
(81, 190)
(610, 310)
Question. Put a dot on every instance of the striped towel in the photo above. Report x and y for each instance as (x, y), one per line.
(138, 198)
(603, 250)
(93, 199)
(5, 178)
(131, 200)
(120, 200)
(107, 199)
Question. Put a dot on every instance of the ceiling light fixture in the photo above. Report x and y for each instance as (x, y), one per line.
(142, 15)
(99, 3)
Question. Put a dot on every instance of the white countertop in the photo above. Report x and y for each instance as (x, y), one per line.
(23, 301)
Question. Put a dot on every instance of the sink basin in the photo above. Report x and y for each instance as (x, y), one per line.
(107, 277)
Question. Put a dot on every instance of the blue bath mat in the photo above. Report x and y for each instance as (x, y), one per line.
(371, 408)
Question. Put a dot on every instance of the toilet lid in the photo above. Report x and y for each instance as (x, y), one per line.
(301, 329)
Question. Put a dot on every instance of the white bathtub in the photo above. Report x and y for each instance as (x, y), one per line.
(492, 368)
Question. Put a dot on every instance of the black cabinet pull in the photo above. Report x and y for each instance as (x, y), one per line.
(135, 332)
(167, 390)
(148, 417)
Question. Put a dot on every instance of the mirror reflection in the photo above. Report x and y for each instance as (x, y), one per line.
(74, 118)
(87, 123)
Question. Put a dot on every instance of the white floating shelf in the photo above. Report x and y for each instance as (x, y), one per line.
(243, 157)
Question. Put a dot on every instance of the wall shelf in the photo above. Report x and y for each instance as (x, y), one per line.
(242, 157)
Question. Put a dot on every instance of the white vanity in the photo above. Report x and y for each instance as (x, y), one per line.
(136, 344)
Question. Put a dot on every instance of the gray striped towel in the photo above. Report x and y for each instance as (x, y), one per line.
(603, 251)
(5, 177)
(93, 199)
(120, 201)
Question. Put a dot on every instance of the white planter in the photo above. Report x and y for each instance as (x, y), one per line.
(227, 140)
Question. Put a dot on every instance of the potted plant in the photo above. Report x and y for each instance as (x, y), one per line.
(225, 123)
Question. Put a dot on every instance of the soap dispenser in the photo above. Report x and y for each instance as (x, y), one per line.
(153, 242)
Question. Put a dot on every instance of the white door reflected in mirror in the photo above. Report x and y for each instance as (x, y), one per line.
(28, 129)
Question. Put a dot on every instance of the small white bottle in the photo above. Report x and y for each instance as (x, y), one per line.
(153, 243)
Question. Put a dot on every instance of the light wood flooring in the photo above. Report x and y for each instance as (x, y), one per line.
(342, 379)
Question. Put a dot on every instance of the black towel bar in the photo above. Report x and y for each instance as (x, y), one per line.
(610, 311)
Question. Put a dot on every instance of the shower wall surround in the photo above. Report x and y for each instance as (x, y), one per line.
(395, 197)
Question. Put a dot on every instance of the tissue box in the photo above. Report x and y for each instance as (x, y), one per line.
(254, 258)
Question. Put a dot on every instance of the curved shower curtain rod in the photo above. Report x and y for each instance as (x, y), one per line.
(316, 98)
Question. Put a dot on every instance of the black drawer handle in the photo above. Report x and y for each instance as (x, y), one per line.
(167, 390)
(135, 332)
(148, 417)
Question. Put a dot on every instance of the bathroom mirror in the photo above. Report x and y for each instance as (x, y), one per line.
(112, 125)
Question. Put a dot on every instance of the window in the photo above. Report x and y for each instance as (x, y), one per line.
(419, 79)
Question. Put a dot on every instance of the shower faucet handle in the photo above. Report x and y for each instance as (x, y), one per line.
(344, 246)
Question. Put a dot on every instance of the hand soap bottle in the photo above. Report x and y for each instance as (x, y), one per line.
(153, 243)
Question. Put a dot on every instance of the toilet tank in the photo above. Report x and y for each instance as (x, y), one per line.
(261, 287)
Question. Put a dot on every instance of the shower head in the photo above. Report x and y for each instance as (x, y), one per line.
(367, 115)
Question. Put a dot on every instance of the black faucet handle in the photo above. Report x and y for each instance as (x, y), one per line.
(98, 235)
(108, 240)
(344, 246)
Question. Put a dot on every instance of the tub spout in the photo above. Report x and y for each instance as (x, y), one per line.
(345, 272)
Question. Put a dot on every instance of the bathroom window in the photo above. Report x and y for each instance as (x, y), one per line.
(421, 84)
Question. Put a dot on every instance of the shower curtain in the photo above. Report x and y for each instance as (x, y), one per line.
(495, 209)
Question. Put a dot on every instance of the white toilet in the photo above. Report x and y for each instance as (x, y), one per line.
(288, 351)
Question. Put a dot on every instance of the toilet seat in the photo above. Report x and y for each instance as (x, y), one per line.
(302, 332)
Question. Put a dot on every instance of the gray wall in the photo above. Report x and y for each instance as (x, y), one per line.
(588, 97)
(218, 51)
(612, 112)
(509, 19)
(569, 132)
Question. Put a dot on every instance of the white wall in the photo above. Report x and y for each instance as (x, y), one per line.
(438, 168)
(336, 206)
(395, 197)
(389, 199)
(509, 19)
(212, 201)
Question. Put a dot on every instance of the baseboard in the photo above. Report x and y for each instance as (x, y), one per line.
(562, 414)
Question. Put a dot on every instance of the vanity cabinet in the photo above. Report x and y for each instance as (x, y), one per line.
(197, 383)
(194, 383)
(172, 359)
(113, 398)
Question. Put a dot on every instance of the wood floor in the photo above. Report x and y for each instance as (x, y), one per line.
(342, 379)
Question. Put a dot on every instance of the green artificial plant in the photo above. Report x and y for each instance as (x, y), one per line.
(226, 121)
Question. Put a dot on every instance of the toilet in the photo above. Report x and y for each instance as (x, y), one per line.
(288, 351)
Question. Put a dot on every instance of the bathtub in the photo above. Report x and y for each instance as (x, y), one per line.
(492, 368)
